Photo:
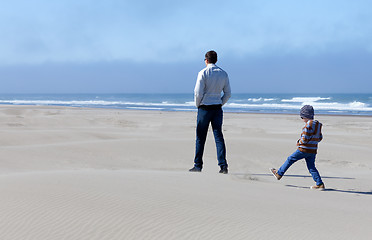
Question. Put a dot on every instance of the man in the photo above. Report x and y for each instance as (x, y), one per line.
(211, 81)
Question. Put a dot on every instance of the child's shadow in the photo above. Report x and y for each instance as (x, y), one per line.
(332, 189)
(325, 177)
(335, 190)
(303, 176)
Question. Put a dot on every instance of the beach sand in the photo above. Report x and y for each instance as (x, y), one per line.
(72, 173)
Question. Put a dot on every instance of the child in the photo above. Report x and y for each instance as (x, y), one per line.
(307, 147)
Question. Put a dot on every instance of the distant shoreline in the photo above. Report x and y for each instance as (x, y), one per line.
(324, 104)
(169, 111)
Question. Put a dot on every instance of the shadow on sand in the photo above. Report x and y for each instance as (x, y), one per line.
(335, 190)
(305, 176)
(308, 176)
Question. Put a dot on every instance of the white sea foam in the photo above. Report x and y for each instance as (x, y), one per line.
(58, 102)
(185, 109)
(145, 108)
(90, 103)
(305, 99)
(265, 106)
(352, 106)
(190, 103)
(260, 99)
(254, 99)
(173, 103)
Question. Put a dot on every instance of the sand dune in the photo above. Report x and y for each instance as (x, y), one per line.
(69, 173)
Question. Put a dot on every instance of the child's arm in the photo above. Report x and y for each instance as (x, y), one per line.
(320, 134)
(306, 134)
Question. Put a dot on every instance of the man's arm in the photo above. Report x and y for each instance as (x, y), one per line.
(199, 89)
(226, 91)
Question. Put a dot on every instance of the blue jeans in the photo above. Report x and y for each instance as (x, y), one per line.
(206, 116)
(310, 162)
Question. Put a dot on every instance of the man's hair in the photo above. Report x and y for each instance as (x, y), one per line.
(211, 56)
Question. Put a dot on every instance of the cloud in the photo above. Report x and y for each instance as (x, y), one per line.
(41, 31)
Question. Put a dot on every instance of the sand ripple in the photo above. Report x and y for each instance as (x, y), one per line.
(103, 204)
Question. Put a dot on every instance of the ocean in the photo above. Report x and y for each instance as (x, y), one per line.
(335, 104)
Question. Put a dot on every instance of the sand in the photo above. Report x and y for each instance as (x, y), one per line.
(72, 173)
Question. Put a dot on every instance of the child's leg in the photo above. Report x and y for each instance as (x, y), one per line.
(310, 162)
(297, 155)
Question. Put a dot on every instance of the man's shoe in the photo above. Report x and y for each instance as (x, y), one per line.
(275, 173)
(195, 169)
(224, 170)
(319, 187)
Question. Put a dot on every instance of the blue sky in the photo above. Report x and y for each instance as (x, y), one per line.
(158, 46)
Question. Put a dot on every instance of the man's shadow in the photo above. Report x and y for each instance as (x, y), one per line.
(325, 177)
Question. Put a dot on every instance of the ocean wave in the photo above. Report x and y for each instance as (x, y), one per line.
(93, 103)
(145, 108)
(275, 103)
(352, 106)
(56, 102)
(261, 99)
(305, 99)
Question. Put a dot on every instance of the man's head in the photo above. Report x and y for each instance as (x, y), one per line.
(211, 57)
